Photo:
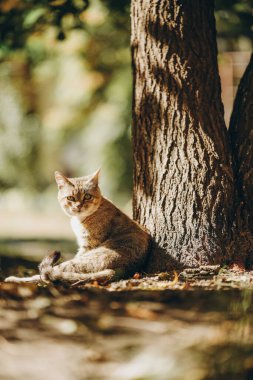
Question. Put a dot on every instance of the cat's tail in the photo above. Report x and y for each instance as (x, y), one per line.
(47, 263)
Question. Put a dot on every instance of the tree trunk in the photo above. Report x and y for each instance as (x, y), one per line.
(241, 136)
(183, 181)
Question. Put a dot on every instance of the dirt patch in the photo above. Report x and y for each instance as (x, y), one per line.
(168, 326)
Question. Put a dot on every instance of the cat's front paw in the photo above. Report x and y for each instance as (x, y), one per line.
(12, 279)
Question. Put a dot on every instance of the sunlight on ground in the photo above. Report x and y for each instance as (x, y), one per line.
(35, 225)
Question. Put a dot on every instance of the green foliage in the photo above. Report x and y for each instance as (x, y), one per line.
(71, 97)
(18, 19)
(234, 20)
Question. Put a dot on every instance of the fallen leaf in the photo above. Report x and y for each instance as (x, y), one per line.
(175, 280)
(138, 312)
(237, 267)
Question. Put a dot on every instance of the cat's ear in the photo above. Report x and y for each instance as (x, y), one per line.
(61, 180)
(94, 177)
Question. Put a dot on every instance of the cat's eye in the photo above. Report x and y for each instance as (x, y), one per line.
(87, 197)
(72, 199)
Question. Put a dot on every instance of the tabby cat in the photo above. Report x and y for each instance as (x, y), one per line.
(111, 245)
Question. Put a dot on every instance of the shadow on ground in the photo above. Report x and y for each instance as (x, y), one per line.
(161, 327)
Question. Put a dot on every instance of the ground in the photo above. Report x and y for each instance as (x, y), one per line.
(196, 325)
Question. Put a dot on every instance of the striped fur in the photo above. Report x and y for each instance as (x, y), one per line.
(111, 245)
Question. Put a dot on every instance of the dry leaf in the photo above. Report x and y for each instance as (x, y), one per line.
(175, 280)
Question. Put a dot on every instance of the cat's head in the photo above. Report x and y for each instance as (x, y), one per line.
(80, 196)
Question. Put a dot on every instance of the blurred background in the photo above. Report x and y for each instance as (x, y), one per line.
(65, 104)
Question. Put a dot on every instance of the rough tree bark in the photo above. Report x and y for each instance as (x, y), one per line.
(183, 181)
(241, 137)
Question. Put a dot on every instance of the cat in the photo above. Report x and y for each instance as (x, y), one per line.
(111, 245)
